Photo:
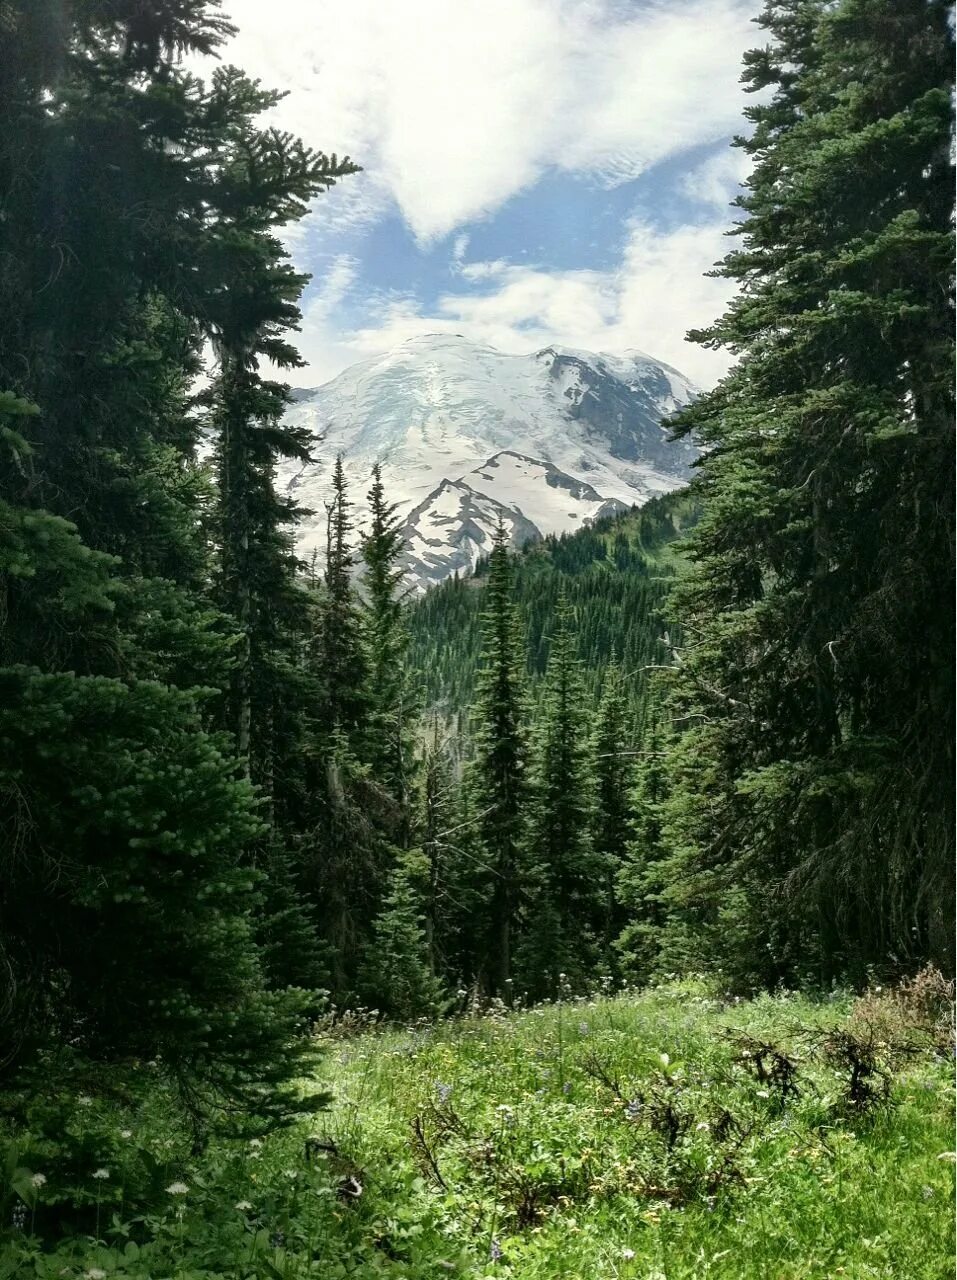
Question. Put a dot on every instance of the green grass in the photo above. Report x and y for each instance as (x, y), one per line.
(624, 1136)
(534, 1126)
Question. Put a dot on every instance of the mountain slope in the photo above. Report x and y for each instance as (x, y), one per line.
(467, 435)
(615, 575)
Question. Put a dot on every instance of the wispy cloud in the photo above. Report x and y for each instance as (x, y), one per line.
(719, 179)
(657, 291)
(455, 107)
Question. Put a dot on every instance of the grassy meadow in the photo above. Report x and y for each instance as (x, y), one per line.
(662, 1135)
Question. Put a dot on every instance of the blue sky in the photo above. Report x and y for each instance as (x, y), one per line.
(535, 171)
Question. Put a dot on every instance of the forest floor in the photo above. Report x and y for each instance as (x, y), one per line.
(663, 1135)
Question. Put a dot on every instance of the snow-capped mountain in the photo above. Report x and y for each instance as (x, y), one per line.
(467, 435)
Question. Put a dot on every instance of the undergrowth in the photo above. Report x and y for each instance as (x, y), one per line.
(669, 1134)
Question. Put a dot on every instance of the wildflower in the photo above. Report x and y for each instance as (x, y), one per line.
(566, 1087)
(632, 1109)
(927, 1193)
(442, 1091)
(243, 1205)
(702, 1126)
(101, 1174)
(126, 1133)
(38, 1179)
(84, 1100)
(495, 1250)
(177, 1189)
(628, 1254)
(291, 1174)
(763, 1093)
(583, 1028)
(255, 1143)
(95, 1273)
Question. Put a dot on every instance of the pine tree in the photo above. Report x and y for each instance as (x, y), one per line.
(398, 977)
(814, 803)
(131, 869)
(386, 645)
(565, 887)
(644, 871)
(499, 769)
(342, 660)
(613, 767)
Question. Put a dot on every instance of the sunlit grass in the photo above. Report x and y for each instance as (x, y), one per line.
(665, 1134)
(544, 1139)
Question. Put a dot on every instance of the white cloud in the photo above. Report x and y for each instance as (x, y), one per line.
(453, 107)
(718, 180)
(657, 292)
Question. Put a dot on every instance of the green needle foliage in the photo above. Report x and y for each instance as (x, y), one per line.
(811, 827)
(499, 771)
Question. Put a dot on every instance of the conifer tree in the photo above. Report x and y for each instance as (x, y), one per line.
(398, 978)
(140, 866)
(342, 660)
(644, 871)
(613, 766)
(565, 892)
(814, 805)
(386, 645)
(499, 781)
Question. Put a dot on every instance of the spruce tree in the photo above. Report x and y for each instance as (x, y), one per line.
(644, 870)
(138, 856)
(398, 978)
(499, 780)
(564, 904)
(613, 768)
(813, 809)
(341, 655)
(386, 644)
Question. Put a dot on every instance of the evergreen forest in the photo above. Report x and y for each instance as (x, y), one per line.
(651, 824)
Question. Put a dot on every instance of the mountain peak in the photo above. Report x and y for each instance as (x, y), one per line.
(466, 435)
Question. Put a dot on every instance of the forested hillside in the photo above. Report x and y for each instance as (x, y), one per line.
(248, 796)
(615, 576)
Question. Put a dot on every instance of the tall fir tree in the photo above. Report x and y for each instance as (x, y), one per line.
(565, 890)
(117, 255)
(499, 770)
(814, 801)
(613, 769)
(393, 706)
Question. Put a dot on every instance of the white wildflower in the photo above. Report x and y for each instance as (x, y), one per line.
(101, 1174)
(84, 1100)
(243, 1205)
(38, 1179)
(177, 1188)
(763, 1093)
(702, 1126)
(95, 1273)
(664, 1059)
(628, 1253)
(126, 1133)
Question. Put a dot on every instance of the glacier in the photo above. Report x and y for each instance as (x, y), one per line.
(467, 435)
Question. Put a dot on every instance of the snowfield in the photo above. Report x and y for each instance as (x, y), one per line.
(467, 435)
